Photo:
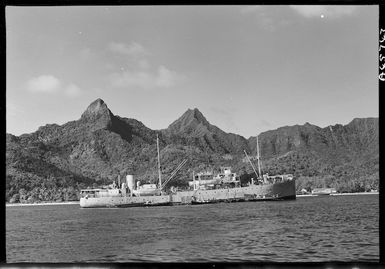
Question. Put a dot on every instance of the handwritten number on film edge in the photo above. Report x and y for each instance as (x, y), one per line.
(382, 67)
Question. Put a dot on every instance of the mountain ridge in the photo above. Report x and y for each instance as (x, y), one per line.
(100, 145)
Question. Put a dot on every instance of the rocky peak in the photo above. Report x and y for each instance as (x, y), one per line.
(99, 114)
(190, 120)
(363, 122)
(199, 116)
(96, 108)
(194, 115)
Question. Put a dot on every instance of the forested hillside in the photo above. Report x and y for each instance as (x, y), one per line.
(54, 162)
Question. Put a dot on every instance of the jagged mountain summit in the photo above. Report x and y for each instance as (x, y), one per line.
(99, 146)
(193, 128)
(192, 123)
(96, 110)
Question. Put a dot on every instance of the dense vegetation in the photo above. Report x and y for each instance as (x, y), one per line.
(55, 162)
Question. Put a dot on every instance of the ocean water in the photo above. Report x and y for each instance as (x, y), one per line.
(309, 229)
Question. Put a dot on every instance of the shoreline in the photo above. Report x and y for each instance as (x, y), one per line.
(77, 202)
(39, 204)
(338, 194)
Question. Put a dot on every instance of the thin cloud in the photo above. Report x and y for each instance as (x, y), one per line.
(139, 71)
(228, 116)
(324, 11)
(261, 126)
(72, 90)
(144, 64)
(264, 123)
(86, 53)
(162, 78)
(134, 56)
(43, 84)
(49, 84)
(13, 110)
(269, 18)
(251, 9)
(133, 49)
(166, 78)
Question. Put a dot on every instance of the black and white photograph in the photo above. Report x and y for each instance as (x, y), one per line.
(192, 134)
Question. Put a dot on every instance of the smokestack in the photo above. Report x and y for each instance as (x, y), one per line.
(130, 183)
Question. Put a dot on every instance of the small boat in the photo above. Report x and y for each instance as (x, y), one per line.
(323, 191)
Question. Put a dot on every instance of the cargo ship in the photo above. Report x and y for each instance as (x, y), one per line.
(206, 187)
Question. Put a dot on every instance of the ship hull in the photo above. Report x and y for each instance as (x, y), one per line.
(269, 192)
(124, 201)
(320, 194)
(277, 191)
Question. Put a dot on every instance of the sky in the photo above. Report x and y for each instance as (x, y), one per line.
(248, 69)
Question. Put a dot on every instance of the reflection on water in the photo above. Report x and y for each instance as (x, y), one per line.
(336, 228)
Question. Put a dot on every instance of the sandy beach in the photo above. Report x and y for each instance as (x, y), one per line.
(52, 203)
(338, 194)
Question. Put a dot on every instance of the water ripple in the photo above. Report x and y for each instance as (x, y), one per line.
(309, 230)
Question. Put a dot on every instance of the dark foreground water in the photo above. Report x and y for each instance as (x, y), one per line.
(335, 228)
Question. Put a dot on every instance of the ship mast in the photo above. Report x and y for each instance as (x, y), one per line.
(194, 180)
(259, 165)
(252, 165)
(160, 174)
